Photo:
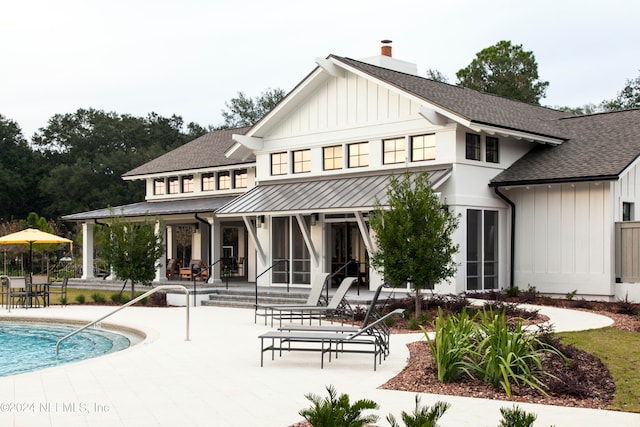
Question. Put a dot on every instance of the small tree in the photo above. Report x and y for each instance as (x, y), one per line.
(414, 235)
(132, 250)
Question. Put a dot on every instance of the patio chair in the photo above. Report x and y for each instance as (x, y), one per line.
(338, 306)
(38, 289)
(172, 268)
(188, 271)
(364, 341)
(17, 291)
(314, 299)
(60, 289)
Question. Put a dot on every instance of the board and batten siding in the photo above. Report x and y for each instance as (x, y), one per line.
(564, 238)
(343, 102)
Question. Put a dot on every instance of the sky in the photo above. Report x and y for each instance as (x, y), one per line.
(189, 57)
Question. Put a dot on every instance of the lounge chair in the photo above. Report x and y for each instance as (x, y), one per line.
(337, 306)
(172, 267)
(17, 291)
(381, 330)
(313, 300)
(365, 340)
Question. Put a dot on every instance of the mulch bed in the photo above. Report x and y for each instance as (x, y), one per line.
(589, 376)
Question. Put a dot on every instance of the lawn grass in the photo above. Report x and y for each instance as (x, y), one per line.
(620, 352)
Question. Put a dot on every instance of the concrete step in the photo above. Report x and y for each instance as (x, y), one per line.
(246, 297)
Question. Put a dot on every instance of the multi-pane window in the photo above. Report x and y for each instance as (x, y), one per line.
(240, 179)
(159, 186)
(472, 147)
(224, 181)
(423, 147)
(358, 154)
(302, 161)
(187, 184)
(208, 182)
(393, 151)
(174, 185)
(332, 157)
(279, 165)
(491, 150)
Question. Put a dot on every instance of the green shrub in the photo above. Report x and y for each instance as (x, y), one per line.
(571, 295)
(516, 417)
(415, 323)
(334, 411)
(117, 298)
(513, 291)
(98, 298)
(80, 299)
(422, 416)
(453, 344)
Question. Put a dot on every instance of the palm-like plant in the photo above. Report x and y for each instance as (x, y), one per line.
(337, 411)
(422, 416)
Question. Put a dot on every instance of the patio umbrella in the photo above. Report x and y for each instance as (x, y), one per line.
(30, 236)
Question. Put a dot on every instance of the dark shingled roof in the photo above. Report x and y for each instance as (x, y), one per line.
(600, 147)
(203, 152)
(478, 107)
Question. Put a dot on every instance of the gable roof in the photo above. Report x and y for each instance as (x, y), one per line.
(203, 152)
(601, 147)
(476, 107)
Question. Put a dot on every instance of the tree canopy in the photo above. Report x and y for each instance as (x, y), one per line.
(505, 70)
(414, 235)
(245, 111)
(628, 97)
(89, 150)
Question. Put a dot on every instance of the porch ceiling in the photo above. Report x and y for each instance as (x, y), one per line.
(323, 195)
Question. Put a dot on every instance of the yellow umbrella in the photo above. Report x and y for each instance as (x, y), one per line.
(30, 236)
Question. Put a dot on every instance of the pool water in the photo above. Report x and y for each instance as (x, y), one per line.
(26, 346)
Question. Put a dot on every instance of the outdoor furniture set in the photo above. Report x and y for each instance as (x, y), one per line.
(17, 291)
(372, 337)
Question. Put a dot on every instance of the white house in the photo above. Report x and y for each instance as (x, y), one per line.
(538, 191)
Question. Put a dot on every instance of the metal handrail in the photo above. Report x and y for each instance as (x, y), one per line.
(199, 274)
(133, 301)
(272, 265)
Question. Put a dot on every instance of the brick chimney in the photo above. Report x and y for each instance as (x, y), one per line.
(385, 50)
(385, 60)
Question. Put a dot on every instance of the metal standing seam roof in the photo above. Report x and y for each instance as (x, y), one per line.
(351, 193)
(168, 207)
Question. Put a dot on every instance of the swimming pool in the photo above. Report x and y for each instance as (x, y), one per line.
(27, 346)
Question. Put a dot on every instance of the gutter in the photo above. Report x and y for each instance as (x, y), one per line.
(512, 250)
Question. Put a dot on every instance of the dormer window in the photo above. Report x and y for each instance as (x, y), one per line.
(159, 187)
(423, 147)
(187, 184)
(224, 181)
(394, 151)
(208, 182)
(302, 161)
(174, 185)
(358, 155)
(240, 179)
(279, 164)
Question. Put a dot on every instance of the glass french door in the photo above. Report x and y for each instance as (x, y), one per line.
(290, 252)
(482, 249)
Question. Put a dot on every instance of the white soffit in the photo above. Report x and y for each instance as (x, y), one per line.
(494, 130)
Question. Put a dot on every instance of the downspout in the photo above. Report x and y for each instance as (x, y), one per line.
(512, 249)
(210, 236)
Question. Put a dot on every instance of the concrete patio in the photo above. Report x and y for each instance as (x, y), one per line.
(215, 379)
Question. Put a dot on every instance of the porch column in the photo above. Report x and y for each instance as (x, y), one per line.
(216, 244)
(87, 251)
(161, 271)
